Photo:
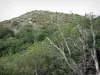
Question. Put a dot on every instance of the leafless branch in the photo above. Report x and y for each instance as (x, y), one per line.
(94, 55)
(66, 60)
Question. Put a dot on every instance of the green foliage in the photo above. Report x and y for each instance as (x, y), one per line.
(12, 45)
(21, 41)
(5, 32)
(35, 58)
(28, 52)
(29, 35)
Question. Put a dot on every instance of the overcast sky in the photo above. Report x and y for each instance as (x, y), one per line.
(14, 8)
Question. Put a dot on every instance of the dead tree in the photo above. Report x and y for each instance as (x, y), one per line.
(74, 66)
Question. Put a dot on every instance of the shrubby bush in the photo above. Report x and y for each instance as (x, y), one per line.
(20, 41)
(5, 32)
(37, 59)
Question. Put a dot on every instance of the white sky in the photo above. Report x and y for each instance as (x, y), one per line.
(14, 8)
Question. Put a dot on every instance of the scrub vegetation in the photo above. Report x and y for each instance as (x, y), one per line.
(50, 43)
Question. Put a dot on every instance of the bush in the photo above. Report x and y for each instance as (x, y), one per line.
(5, 32)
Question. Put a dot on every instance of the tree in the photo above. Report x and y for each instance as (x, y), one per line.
(83, 37)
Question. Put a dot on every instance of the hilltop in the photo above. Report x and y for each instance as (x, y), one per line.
(39, 17)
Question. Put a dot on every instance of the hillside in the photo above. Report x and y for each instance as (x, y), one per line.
(49, 43)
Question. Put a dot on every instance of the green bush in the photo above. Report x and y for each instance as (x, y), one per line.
(5, 32)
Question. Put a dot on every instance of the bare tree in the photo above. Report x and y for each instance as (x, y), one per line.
(83, 38)
(94, 55)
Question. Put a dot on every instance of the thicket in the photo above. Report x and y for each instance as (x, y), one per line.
(57, 48)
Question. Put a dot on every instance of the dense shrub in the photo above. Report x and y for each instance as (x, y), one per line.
(5, 32)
